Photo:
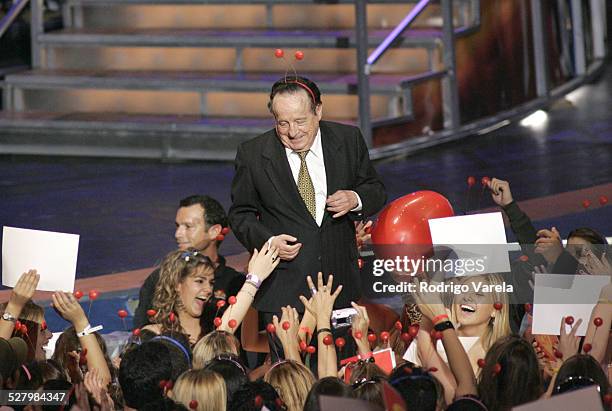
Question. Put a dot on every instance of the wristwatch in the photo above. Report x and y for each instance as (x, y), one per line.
(253, 279)
(8, 317)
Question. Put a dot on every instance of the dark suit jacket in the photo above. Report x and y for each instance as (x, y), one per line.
(266, 202)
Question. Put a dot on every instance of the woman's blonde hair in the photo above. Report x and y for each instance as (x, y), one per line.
(499, 326)
(175, 267)
(204, 386)
(212, 344)
(292, 381)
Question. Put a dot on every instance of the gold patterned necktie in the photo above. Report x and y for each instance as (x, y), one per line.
(305, 186)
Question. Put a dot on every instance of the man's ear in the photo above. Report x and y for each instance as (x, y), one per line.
(319, 111)
(214, 230)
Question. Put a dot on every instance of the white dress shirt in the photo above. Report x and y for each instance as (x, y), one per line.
(316, 169)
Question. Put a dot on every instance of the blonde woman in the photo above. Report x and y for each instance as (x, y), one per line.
(185, 286)
(292, 381)
(475, 317)
(201, 390)
(213, 344)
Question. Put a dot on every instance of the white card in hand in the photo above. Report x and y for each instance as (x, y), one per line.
(53, 255)
(560, 295)
(481, 235)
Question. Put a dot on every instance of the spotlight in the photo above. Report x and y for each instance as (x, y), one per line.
(535, 120)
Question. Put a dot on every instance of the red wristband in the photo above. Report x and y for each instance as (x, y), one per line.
(438, 318)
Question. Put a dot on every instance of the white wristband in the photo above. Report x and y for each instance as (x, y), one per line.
(89, 330)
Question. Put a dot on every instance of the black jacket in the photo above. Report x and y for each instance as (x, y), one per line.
(266, 202)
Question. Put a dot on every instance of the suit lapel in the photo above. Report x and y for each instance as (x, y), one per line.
(278, 171)
(334, 163)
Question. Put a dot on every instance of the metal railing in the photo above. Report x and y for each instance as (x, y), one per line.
(36, 24)
(11, 15)
(365, 63)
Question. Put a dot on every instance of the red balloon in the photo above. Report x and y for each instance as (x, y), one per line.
(404, 222)
(259, 401)
(271, 328)
(569, 320)
(220, 303)
(279, 53)
(23, 329)
(340, 342)
(432, 369)
(558, 354)
(598, 322)
(303, 345)
(524, 258)
(603, 200)
(286, 325)
(136, 332)
(358, 335)
(151, 313)
(162, 384)
(372, 338)
(498, 306)
(217, 321)
(398, 325)
(43, 325)
(586, 203)
(311, 349)
(220, 237)
(232, 300)
(413, 330)
(17, 325)
(193, 404)
(172, 317)
(327, 340)
(93, 294)
(528, 307)
(406, 337)
(360, 263)
(225, 230)
(78, 294)
(497, 368)
(169, 384)
(485, 181)
(587, 347)
(299, 55)
(384, 336)
(232, 323)
(471, 180)
(481, 362)
(122, 313)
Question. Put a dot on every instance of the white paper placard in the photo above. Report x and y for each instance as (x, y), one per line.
(584, 399)
(53, 255)
(560, 295)
(485, 232)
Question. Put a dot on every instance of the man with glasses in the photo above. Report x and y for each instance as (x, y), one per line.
(199, 221)
(300, 187)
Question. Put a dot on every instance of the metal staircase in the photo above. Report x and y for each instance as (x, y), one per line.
(190, 78)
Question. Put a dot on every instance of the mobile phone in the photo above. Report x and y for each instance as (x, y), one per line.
(343, 317)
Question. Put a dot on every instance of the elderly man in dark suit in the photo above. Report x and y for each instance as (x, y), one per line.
(300, 187)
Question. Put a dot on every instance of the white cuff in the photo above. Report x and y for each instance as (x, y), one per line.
(358, 208)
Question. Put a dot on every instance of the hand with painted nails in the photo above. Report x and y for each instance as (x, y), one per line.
(322, 303)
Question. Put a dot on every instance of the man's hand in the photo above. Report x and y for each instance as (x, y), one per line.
(286, 251)
(500, 192)
(549, 245)
(341, 202)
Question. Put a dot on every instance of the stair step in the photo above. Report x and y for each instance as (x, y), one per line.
(128, 135)
(228, 2)
(176, 37)
(335, 83)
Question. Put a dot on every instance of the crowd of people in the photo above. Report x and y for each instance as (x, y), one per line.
(195, 323)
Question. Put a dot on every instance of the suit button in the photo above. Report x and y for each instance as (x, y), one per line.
(319, 258)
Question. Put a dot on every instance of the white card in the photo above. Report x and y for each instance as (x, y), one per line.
(484, 232)
(560, 295)
(53, 255)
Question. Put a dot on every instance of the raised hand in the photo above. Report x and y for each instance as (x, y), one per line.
(569, 343)
(288, 337)
(549, 244)
(500, 192)
(24, 290)
(69, 308)
(263, 262)
(322, 302)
